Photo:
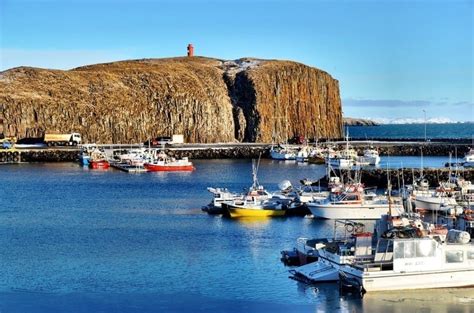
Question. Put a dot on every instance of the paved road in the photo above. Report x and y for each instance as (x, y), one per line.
(202, 146)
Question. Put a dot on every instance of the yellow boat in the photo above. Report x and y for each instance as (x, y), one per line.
(252, 211)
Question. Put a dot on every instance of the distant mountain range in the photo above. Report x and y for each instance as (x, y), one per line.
(349, 121)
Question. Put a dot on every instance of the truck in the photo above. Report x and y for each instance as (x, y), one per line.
(7, 142)
(164, 141)
(72, 139)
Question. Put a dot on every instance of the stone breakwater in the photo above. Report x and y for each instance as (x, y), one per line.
(416, 149)
(398, 177)
(239, 151)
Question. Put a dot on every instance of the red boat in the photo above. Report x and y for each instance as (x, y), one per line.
(100, 164)
(164, 164)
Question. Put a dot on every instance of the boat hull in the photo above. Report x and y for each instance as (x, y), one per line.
(99, 165)
(168, 168)
(84, 160)
(275, 155)
(380, 281)
(358, 212)
(237, 212)
(433, 203)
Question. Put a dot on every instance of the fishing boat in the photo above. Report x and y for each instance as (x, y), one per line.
(414, 263)
(256, 203)
(99, 164)
(163, 163)
(468, 160)
(355, 203)
(98, 160)
(85, 153)
(254, 209)
(371, 156)
(282, 153)
(220, 196)
(303, 154)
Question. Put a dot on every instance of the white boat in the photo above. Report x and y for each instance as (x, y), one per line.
(256, 203)
(282, 153)
(355, 204)
(345, 159)
(371, 157)
(220, 196)
(468, 160)
(434, 202)
(303, 154)
(332, 256)
(414, 263)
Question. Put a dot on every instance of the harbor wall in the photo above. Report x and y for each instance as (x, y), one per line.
(398, 177)
(237, 151)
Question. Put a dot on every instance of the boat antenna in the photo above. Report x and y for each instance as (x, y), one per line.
(421, 171)
(389, 193)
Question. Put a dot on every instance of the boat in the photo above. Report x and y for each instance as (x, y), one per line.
(437, 201)
(468, 160)
(282, 153)
(220, 196)
(333, 256)
(85, 153)
(164, 163)
(306, 251)
(253, 209)
(344, 159)
(414, 263)
(371, 156)
(355, 203)
(256, 203)
(441, 198)
(98, 159)
(99, 164)
(302, 155)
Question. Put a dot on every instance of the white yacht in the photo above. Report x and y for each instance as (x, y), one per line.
(371, 156)
(282, 153)
(355, 204)
(468, 160)
(414, 263)
(437, 201)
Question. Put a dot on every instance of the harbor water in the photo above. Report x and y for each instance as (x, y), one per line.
(414, 131)
(76, 240)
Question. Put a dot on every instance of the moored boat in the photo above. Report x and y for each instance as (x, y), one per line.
(163, 163)
(99, 164)
(98, 159)
(415, 263)
(356, 204)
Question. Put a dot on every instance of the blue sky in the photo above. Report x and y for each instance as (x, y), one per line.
(393, 59)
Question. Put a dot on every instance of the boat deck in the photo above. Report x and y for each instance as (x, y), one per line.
(129, 168)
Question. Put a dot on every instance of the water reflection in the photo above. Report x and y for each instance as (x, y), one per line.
(430, 300)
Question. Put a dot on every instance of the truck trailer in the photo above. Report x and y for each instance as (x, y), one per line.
(72, 139)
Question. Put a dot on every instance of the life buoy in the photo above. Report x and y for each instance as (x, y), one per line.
(349, 228)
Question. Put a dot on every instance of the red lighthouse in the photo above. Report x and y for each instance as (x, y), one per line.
(190, 50)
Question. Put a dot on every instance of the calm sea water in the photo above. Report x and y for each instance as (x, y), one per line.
(75, 240)
(414, 131)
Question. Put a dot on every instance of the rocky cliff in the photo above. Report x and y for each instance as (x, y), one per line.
(207, 100)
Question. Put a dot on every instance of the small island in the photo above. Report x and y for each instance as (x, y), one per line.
(349, 121)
